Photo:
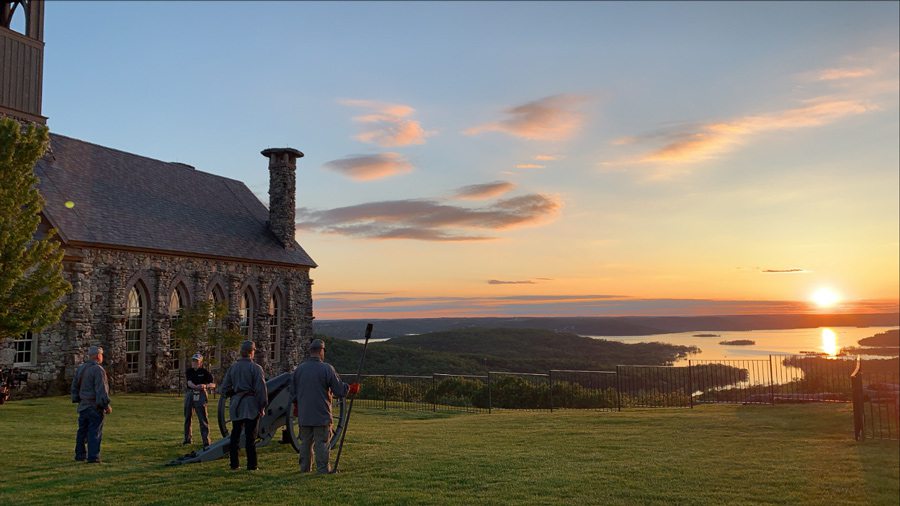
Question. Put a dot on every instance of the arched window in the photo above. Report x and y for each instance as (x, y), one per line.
(135, 310)
(177, 302)
(217, 296)
(275, 308)
(245, 313)
(13, 17)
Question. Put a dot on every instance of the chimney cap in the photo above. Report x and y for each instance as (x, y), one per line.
(268, 152)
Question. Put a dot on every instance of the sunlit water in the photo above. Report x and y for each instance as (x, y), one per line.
(828, 340)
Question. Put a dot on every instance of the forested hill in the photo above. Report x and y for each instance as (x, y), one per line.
(603, 326)
(475, 351)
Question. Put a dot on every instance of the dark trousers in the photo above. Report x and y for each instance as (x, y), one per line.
(248, 427)
(191, 406)
(90, 433)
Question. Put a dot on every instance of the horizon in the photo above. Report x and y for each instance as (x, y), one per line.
(538, 159)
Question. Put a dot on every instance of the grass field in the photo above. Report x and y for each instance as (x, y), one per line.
(708, 455)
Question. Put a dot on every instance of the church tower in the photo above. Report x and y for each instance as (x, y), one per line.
(22, 59)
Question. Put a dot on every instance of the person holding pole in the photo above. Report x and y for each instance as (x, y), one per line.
(199, 380)
(250, 397)
(90, 390)
(313, 386)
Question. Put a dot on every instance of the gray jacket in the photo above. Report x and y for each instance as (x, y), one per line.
(89, 386)
(246, 378)
(313, 385)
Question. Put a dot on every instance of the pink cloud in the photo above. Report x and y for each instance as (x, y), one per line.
(370, 167)
(702, 142)
(529, 166)
(834, 74)
(548, 119)
(386, 124)
(484, 191)
(429, 220)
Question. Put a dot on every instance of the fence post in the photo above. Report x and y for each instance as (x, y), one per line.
(384, 392)
(490, 395)
(771, 382)
(550, 379)
(859, 429)
(690, 384)
(618, 391)
(433, 394)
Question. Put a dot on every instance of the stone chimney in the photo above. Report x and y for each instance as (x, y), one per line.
(282, 192)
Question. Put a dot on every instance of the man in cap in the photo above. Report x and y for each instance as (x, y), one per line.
(248, 403)
(199, 380)
(313, 385)
(90, 390)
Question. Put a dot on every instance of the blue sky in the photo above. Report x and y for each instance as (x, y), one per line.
(648, 151)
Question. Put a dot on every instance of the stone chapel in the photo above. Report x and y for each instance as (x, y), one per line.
(144, 238)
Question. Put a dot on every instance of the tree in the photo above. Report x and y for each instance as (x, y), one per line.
(202, 328)
(31, 281)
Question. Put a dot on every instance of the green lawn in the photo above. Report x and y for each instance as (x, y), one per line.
(708, 455)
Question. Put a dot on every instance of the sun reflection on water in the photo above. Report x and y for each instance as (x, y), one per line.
(829, 342)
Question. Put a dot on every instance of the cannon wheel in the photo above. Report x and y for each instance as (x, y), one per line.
(339, 412)
(224, 415)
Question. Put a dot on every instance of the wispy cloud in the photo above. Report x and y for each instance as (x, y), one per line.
(387, 125)
(370, 167)
(502, 282)
(785, 271)
(429, 220)
(547, 119)
(529, 166)
(484, 191)
(694, 143)
(547, 158)
(834, 74)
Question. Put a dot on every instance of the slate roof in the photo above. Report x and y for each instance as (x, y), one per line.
(126, 200)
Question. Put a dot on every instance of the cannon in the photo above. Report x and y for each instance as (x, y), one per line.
(280, 414)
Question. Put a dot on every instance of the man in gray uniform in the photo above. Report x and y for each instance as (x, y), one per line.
(91, 391)
(313, 385)
(245, 379)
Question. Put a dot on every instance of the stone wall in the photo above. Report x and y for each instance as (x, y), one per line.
(96, 307)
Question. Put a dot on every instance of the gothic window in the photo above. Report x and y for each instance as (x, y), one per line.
(275, 327)
(176, 304)
(26, 349)
(217, 296)
(135, 311)
(246, 314)
(13, 15)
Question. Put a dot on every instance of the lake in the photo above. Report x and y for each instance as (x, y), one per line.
(827, 340)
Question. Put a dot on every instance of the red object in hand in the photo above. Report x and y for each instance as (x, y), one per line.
(354, 389)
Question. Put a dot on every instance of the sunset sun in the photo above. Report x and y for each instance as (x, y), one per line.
(825, 298)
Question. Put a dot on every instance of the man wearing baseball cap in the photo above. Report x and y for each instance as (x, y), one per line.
(90, 390)
(313, 385)
(199, 381)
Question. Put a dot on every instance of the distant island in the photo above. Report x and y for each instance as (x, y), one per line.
(885, 344)
(738, 342)
(889, 338)
(707, 335)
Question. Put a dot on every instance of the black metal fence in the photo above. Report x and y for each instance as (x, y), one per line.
(875, 404)
(771, 380)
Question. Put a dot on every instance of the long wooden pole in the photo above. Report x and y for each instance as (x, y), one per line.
(337, 459)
